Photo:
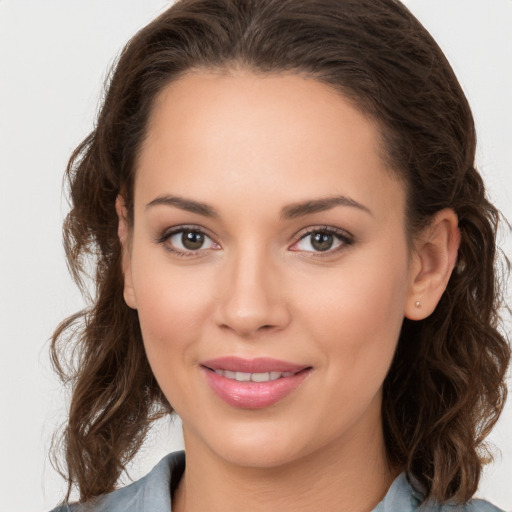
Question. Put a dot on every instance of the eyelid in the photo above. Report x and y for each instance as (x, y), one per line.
(170, 232)
(346, 238)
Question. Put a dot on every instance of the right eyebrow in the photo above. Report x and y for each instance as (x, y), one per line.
(184, 204)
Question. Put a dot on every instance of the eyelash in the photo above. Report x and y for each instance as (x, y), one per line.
(167, 235)
(345, 239)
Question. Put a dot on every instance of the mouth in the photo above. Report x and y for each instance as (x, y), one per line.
(253, 377)
(255, 383)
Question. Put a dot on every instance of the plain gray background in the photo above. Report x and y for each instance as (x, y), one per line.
(54, 56)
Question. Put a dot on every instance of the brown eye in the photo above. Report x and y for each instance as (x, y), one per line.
(187, 241)
(322, 241)
(192, 240)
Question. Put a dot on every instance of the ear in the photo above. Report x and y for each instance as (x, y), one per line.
(123, 232)
(434, 257)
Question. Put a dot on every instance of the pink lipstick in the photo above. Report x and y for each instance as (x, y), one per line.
(253, 383)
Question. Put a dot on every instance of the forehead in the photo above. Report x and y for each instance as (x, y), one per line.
(281, 134)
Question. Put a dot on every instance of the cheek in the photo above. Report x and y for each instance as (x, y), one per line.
(172, 305)
(356, 313)
(172, 311)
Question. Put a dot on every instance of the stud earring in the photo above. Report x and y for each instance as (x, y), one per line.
(417, 304)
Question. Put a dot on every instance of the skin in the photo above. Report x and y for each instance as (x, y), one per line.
(249, 146)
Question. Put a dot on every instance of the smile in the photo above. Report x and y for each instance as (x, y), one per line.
(255, 383)
(253, 377)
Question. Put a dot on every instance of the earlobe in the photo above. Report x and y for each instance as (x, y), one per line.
(434, 258)
(123, 232)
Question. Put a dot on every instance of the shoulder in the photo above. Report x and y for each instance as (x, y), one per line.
(403, 497)
(474, 505)
(481, 506)
(150, 493)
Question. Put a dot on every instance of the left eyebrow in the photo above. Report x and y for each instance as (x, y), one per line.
(293, 211)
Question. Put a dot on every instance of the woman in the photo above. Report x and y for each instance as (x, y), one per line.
(295, 253)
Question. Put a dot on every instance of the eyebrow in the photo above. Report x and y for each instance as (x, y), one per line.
(320, 205)
(184, 204)
(291, 211)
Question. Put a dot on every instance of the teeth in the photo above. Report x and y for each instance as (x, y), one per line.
(261, 377)
(253, 377)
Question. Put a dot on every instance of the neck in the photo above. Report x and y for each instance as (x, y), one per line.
(353, 477)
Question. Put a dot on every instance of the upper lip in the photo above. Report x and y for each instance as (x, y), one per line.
(257, 365)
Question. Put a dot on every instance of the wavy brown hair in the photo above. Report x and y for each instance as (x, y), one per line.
(446, 388)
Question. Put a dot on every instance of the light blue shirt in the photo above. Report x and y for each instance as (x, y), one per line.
(153, 494)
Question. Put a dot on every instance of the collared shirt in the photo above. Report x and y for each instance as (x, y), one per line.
(153, 494)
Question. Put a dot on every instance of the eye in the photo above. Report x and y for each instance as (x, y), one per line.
(185, 241)
(322, 240)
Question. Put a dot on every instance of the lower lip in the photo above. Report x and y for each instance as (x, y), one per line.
(253, 395)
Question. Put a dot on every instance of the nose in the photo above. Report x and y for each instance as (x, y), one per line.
(252, 299)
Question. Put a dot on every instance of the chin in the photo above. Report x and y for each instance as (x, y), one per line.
(253, 445)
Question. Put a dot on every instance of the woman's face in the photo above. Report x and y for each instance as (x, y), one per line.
(269, 266)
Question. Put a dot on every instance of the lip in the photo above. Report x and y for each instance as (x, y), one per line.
(257, 365)
(253, 395)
